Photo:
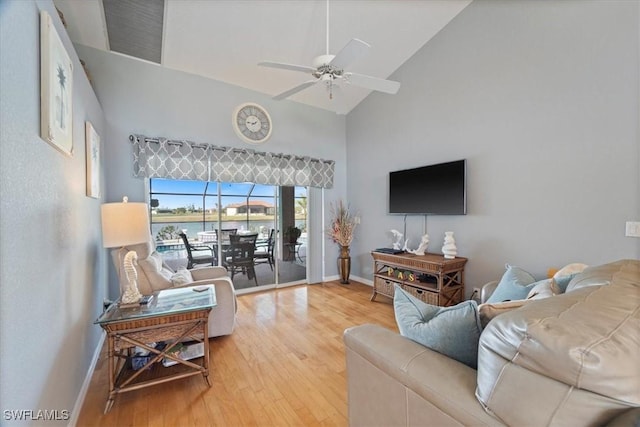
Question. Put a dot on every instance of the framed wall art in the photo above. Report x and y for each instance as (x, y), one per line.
(92, 141)
(56, 88)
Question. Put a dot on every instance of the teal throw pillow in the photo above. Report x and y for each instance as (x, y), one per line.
(453, 331)
(563, 281)
(515, 284)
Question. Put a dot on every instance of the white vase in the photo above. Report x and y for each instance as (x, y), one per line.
(449, 250)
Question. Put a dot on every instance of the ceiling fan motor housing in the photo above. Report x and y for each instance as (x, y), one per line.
(321, 60)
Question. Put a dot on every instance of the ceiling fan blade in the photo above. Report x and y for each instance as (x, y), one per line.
(353, 50)
(373, 83)
(296, 89)
(291, 67)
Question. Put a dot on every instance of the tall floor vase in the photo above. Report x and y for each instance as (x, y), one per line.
(344, 265)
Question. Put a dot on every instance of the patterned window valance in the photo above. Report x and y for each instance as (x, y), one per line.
(163, 158)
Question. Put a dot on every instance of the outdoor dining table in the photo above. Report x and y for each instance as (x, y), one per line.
(213, 245)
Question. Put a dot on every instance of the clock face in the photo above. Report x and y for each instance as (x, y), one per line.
(252, 123)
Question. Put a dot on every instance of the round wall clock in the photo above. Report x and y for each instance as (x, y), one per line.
(252, 123)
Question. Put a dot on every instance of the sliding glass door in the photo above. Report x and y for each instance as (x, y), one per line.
(292, 266)
(206, 210)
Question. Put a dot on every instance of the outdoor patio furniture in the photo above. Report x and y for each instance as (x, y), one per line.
(264, 251)
(193, 260)
(239, 256)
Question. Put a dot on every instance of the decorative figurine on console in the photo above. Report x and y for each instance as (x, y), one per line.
(449, 249)
(422, 248)
(398, 239)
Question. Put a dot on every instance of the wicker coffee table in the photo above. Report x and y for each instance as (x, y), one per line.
(172, 316)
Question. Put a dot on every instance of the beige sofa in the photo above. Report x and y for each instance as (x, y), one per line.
(569, 360)
(154, 275)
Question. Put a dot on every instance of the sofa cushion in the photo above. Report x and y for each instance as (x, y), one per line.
(626, 419)
(515, 284)
(453, 331)
(583, 345)
(596, 276)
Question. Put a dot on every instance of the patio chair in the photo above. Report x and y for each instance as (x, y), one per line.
(264, 251)
(192, 260)
(223, 240)
(226, 232)
(239, 256)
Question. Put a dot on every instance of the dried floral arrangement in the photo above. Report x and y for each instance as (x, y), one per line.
(343, 224)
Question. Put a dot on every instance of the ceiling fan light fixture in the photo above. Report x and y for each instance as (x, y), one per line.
(327, 70)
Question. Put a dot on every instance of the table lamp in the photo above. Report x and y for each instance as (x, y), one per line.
(125, 224)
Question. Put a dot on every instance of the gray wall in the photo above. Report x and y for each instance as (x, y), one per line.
(541, 98)
(139, 97)
(52, 265)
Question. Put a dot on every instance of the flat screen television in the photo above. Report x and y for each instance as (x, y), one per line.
(435, 189)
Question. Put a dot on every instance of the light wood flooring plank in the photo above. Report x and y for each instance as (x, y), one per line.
(283, 365)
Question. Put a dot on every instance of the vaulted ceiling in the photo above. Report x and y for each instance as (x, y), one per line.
(225, 39)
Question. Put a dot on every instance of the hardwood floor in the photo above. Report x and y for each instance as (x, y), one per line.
(283, 365)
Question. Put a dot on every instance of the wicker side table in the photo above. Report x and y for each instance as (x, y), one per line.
(172, 316)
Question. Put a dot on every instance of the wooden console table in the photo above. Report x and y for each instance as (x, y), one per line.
(431, 277)
(172, 316)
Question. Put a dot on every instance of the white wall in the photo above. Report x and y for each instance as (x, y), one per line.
(541, 98)
(139, 97)
(52, 265)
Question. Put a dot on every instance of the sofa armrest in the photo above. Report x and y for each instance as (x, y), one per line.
(487, 290)
(395, 381)
(225, 291)
(222, 319)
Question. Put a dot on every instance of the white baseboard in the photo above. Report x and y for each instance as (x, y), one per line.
(87, 381)
(330, 278)
(363, 280)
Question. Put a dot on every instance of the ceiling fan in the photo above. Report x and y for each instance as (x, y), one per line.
(330, 70)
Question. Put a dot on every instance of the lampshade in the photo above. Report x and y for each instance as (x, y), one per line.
(124, 223)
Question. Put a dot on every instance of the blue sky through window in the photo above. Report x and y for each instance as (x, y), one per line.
(186, 193)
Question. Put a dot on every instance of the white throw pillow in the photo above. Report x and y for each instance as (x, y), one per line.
(181, 277)
(544, 289)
